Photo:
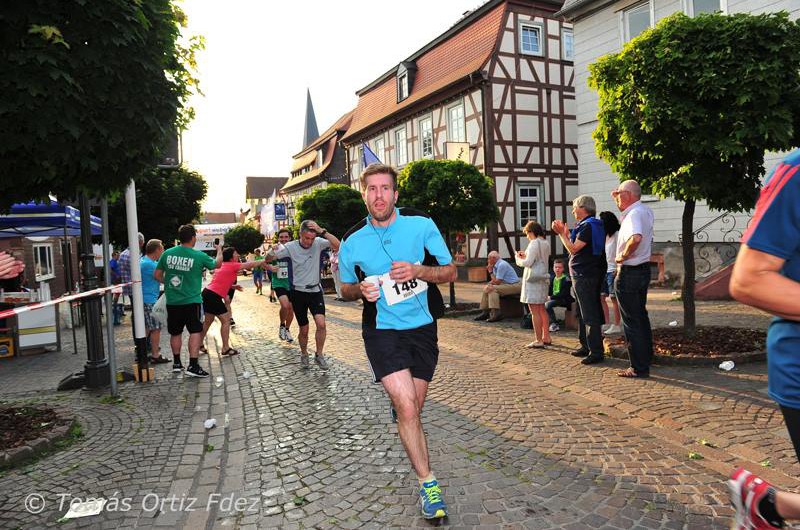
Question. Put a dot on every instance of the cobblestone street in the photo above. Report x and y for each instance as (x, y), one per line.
(519, 438)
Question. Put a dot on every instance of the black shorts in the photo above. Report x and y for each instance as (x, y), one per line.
(391, 350)
(231, 292)
(280, 291)
(303, 302)
(213, 303)
(185, 315)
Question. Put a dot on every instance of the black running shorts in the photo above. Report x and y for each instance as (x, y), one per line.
(391, 350)
(303, 302)
(186, 315)
(280, 291)
(213, 303)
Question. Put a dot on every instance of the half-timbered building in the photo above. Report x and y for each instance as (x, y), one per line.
(496, 90)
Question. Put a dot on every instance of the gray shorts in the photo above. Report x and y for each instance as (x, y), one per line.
(150, 322)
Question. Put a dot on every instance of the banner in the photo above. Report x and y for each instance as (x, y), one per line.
(280, 211)
(207, 233)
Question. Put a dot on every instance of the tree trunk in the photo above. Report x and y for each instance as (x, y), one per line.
(687, 292)
(453, 249)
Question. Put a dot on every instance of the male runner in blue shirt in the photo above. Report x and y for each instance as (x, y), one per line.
(406, 251)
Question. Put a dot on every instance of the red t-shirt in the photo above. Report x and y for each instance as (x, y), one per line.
(224, 277)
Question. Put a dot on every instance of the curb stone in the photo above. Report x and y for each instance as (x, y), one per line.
(14, 456)
(621, 352)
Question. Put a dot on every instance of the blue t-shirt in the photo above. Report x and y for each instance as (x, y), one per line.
(505, 272)
(585, 262)
(150, 286)
(369, 250)
(775, 230)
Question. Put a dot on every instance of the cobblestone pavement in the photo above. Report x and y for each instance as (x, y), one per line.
(518, 438)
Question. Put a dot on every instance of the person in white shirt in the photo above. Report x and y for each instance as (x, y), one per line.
(611, 226)
(634, 243)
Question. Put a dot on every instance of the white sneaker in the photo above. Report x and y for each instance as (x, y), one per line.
(320, 360)
(554, 327)
(304, 360)
(613, 329)
(282, 333)
(287, 336)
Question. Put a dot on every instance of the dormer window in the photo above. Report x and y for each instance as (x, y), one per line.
(406, 72)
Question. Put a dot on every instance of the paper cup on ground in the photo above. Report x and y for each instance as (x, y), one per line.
(375, 280)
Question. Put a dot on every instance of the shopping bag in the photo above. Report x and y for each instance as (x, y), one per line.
(160, 310)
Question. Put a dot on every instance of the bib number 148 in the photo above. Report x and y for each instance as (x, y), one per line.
(400, 288)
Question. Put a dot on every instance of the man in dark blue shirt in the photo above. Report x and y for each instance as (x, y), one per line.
(587, 266)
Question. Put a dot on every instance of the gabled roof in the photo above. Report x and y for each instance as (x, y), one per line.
(262, 187)
(340, 125)
(220, 217)
(571, 8)
(305, 178)
(460, 51)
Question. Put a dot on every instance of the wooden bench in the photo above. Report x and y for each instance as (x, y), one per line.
(511, 307)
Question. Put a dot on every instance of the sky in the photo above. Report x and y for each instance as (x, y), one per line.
(260, 58)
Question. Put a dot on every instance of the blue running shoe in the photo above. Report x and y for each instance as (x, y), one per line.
(430, 494)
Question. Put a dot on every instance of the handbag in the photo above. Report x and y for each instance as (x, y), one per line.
(539, 270)
(526, 322)
(159, 311)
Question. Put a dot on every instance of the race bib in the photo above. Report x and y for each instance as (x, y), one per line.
(283, 273)
(396, 292)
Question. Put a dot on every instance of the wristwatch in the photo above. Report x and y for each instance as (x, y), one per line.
(322, 234)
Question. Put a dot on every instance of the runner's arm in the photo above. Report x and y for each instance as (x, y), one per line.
(756, 281)
(354, 291)
(403, 271)
(218, 261)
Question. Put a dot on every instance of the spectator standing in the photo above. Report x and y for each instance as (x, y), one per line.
(611, 226)
(634, 243)
(180, 269)
(535, 259)
(504, 281)
(151, 290)
(767, 276)
(559, 294)
(587, 264)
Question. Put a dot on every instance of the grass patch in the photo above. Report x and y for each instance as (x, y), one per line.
(209, 448)
(111, 400)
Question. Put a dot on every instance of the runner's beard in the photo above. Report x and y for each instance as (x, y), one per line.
(387, 214)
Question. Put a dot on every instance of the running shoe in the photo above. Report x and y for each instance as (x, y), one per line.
(321, 361)
(196, 371)
(287, 335)
(158, 360)
(747, 491)
(430, 496)
(554, 327)
(233, 323)
(304, 360)
(177, 366)
(282, 332)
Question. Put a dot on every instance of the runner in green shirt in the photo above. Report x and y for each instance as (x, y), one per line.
(180, 269)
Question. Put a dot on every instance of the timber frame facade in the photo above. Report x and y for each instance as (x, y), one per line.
(502, 81)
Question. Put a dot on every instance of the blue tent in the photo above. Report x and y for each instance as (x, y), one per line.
(42, 219)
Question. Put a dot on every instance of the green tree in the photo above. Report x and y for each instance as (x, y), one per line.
(336, 208)
(91, 92)
(166, 198)
(689, 108)
(244, 238)
(455, 194)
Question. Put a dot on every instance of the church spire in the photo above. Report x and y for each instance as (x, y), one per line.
(310, 132)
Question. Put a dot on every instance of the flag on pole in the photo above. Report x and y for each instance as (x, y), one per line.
(369, 157)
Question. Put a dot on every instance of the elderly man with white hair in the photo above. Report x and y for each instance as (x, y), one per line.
(633, 276)
(504, 281)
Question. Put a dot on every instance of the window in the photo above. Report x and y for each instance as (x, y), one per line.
(698, 7)
(380, 148)
(43, 262)
(400, 145)
(358, 166)
(635, 20)
(530, 39)
(567, 45)
(318, 162)
(402, 87)
(529, 200)
(426, 137)
(456, 130)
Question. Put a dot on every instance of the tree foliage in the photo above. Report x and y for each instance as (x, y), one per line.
(244, 238)
(689, 107)
(336, 208)
(91, 91)
(165, 199)
(455, 194)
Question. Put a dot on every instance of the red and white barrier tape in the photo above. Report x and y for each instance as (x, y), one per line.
(38, 305)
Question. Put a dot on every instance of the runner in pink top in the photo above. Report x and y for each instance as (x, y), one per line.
(215, 297)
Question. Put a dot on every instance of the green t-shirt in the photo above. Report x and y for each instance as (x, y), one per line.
(259, 268)
(183, 274)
